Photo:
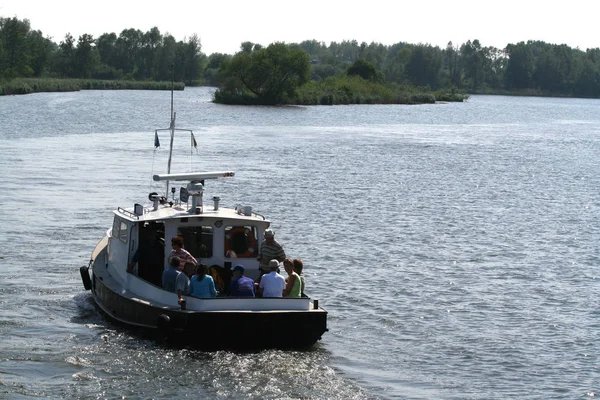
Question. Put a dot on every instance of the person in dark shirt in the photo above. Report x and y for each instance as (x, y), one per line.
(169, 276)
(240, 285)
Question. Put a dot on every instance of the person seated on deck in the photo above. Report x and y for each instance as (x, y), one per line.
(293, 282)
(182, 282)
(202, 285)
(272, 284)
(240, 285)
(298, 267)
(169, 276)
(179, 251)
(270, 249)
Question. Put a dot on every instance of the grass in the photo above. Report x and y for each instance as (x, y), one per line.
(346, 90)
(36, 85)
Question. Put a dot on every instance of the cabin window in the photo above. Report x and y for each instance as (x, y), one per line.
(123, 232)
(198, 240)
(240, 242)
(120, 230)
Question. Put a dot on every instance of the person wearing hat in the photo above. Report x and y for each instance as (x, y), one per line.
(240, 286)
(273, 283)
(270, 249)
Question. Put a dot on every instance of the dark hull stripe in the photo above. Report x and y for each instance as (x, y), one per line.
(213, 329)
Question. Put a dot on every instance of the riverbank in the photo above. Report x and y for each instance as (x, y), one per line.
(37, 85)
(328, 92)
(528, 93)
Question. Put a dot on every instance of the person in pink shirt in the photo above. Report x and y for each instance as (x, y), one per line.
(179, 251)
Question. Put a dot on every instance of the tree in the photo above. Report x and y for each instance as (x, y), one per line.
(211, 73)
(588, 84)
(394, 66)
(451, 64)
(269, 74)
(128, 47)
(520, 66)
(13, 40)
(165, 58)
(365, 70)
(86, 57)
(424, 66)
(473, 62)
(192, 59)
(40, 50)
(66, 56)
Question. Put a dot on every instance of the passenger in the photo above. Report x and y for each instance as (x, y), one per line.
(272, 284)
(293, 283)
(202, 285)
(189, 268)
(179, 251)
(149, 256)
(182, 282)
(240, 285)
(298, 267)
(270, 249)
(169, 276)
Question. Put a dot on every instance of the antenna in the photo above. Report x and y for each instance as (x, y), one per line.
(172, 127)
(172, 87)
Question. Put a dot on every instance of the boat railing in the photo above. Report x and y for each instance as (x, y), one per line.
(127, 213)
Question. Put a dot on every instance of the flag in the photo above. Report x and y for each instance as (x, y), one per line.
(194, 141)
(156, 142)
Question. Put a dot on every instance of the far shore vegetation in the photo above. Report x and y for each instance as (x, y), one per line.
(38, 85)
(307, 73)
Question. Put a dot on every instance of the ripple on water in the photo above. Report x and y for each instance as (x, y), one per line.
(455, 247)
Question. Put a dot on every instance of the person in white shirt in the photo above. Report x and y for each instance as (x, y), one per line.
(273, 283)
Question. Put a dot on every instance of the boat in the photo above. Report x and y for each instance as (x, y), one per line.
(216, 236)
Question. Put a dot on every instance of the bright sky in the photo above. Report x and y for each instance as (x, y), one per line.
(223, 25)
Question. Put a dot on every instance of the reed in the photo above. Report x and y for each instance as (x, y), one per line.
(37, 85)
(355, 90)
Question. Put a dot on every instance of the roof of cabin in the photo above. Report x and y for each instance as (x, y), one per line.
(166, 212)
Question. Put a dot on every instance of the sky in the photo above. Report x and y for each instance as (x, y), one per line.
(223, 25)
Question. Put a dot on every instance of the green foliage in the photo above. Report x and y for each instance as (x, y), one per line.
(264, 75)
(318, 72)
(133, 55)
(211, 72)
(258, 75)
(424, 65)
(365, 70)
(356, 90)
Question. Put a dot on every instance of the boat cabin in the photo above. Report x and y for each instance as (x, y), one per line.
(218, 237)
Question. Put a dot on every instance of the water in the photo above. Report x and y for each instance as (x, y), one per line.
(455, 246)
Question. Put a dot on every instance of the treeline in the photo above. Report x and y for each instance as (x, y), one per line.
(531, 67)
(132, 55)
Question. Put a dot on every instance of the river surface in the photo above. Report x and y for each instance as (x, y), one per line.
(455, 246)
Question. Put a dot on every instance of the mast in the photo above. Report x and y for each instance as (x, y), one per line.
(172, 127)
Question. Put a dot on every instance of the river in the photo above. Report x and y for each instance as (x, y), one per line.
(455, 246)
